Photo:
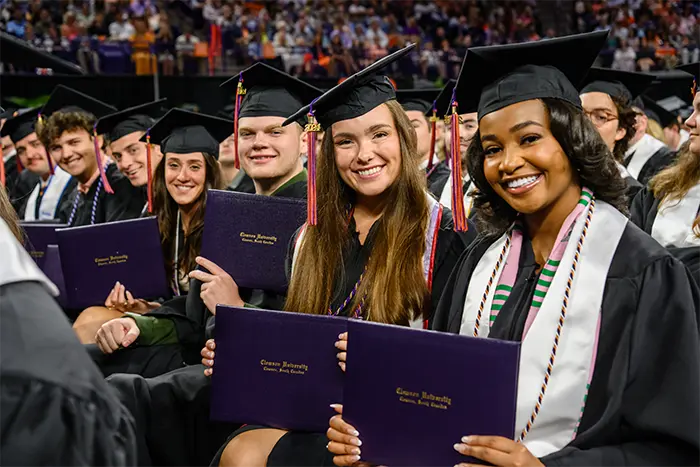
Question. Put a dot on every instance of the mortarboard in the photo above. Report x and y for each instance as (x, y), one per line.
(264, 91)
(444, 99)
(7, 113)
(494, 77)
(181, 132)
(66, 99)
(657, 112)
(139, 118)
(353, 97)
(693, 69)
(615, 83)
(22, 54)
(420, 100)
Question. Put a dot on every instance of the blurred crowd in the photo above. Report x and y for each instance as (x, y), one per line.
(335, 38)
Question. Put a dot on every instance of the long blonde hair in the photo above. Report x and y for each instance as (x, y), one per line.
(655, 130)
(394, 287)
(674, 182)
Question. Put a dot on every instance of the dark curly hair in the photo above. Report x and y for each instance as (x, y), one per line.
(627, 119)
(50, 129)
(588, 154)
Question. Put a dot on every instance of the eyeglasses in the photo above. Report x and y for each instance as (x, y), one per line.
(600, 117)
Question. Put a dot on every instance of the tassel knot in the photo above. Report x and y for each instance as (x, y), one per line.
(312, 127)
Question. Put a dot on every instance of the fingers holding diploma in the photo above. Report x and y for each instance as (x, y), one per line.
(342, 345)
(496, 450)
(344, 441)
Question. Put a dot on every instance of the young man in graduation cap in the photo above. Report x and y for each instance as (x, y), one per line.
(67, 129)
(608, 98)
(124, 130)
(17, 182)
(51, 196)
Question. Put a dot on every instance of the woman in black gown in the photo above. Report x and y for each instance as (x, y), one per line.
(610, 358)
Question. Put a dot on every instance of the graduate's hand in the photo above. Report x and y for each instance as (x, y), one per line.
(122, 300)
(344, 440)
(342, 346)
(208, 357)
(115, 333)
(498, 451)
(218, 288)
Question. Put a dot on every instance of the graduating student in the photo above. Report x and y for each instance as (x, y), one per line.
(598, 305)
(67, 130)
(51, 197)
(181, 180)
(418, 104)
(179, 399)
(55, 407)
(17, 182)
(124, 130)
(669, 210)
(608, 98)
(373, 200)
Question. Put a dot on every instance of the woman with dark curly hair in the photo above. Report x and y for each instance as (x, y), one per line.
(597, 304)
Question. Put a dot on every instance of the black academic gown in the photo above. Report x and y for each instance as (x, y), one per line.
(437, 179)
(21, 188)
(126, 202)
(172, 410)
(242, 183)
(65, 203)
(633, 187)
(56, 408)
(309, 449)
(642, 406)
(661, 159)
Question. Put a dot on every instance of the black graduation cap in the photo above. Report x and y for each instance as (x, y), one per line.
(21, 125)
(270, 92)
(420, 100)
(355, 96)
(22, 54)
(658, 112)
(692, 68)
(138, 118)
(181, 132)
(7, 113)
(67, 99)
(226, 112)
(444, 99)
(616, 83)
(494, 77)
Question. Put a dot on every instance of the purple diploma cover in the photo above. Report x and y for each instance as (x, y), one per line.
(413, 394)
(53, 270)
(95, 257)
(248, 236)
(276, 368)
(39, 236)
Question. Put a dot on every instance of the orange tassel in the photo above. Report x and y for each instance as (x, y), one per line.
(458, 214)
(240, 92)
(149, 187)
(433, 134)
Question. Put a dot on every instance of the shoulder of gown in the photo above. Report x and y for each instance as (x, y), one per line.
(56, 407)
(438, 178)
(642, 407)
(643, 209)
(661, 159)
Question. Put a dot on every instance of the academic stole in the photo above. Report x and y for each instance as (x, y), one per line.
(48, 204)
(431, 237)
(561, 332)
(673, 224)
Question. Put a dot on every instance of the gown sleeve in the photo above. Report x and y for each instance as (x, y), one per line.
(659, 417)
(643, 210)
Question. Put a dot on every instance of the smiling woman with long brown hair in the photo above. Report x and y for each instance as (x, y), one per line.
(598, 306)
(381, 249)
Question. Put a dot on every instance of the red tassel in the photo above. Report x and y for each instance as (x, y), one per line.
(149, 186)
(460, 219)
(433, 134)
(312, 209)
(2, 173)
(240, 92)
(18, 162)
(100, 164)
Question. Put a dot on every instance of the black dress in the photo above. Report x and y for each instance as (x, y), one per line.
(642, 406)
(309, 449)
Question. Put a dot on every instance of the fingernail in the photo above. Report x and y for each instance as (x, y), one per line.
(211, 362)
(355, 458)
(353, 433)
(466, 439)
(456, 447)
(340, 336)
(355, 451)
(333, 406)
(357, 442)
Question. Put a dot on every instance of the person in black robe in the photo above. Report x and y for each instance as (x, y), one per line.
(50, 198)
(607, 97)
(55, 407)
(361, 110)
(66, 128)
(669, 209)
(641, 408)
(173, 408)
